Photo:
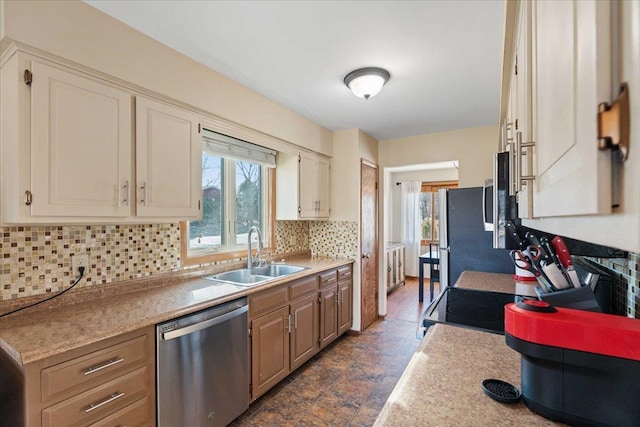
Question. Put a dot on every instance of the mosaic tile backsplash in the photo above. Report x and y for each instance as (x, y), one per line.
(37, 260)
(625, 277)
(334, 238)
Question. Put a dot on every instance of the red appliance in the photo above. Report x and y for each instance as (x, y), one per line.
(577, 367)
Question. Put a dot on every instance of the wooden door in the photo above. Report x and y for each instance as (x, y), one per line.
(168, 161)
(345, 306)
(572, 75)
(369, 244)
(328, 315)
(80, 146)
(304, 330)
(269, 350)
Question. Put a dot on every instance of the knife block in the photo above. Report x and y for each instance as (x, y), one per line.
(577, 298)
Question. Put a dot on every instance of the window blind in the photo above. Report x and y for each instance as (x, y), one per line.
(225, 146)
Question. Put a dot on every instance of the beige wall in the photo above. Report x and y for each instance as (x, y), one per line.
(345, 176)
(473, 148)
(78, 32)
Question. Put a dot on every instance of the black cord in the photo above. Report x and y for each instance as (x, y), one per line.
(80, 269)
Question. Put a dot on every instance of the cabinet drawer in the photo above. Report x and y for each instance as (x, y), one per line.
(97, 402)
(344, 273)
(303, 287)
(328, 279)
(134, 415)
(267, 301)
(92, 369)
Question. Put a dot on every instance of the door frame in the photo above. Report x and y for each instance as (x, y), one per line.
(364, 162)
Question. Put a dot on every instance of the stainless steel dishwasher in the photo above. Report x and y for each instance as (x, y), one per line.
(203, 367)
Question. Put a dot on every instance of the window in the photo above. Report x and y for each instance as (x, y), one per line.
(429, 210)
(235, 197)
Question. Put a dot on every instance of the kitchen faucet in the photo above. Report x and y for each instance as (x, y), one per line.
(257, 261)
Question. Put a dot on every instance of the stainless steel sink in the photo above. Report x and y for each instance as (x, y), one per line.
(277, 270)
(255, 276)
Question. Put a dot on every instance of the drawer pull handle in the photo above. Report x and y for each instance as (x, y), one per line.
(101, 367)
(114, 396)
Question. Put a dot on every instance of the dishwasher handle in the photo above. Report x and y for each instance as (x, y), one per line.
(203, 325)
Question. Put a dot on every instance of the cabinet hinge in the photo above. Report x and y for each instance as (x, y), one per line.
(28, 77)
(299, 158)
(28, 198)
(516, 67)
(516, 124)
(199, 128)
(613, 124)
(249, 332)
(299, 209)
(376, 185)
(319, 300)
(198, 204)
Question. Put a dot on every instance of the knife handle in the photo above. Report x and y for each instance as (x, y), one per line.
(546, 246)
(513, 233)
(532, 238)
(563, 253)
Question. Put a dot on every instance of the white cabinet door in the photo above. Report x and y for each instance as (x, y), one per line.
(523, 128)
(313, 175)
(307, 196)
(168, 161)
(571, 67)
(322, 188)
(80, 146)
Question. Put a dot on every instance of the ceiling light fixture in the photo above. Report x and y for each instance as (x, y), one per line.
(366, 82)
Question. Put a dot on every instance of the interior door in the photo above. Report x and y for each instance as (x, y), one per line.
(369, 244)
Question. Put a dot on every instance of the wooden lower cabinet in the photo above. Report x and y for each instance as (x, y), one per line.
(345, 306)
(304, 330)
(328, 315)
(269, 350)
(108, 383)
(291, 323)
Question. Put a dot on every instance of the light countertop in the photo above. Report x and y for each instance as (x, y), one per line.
(36, 334)
(442, 385)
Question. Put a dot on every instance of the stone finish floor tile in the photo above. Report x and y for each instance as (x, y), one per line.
(346, 384)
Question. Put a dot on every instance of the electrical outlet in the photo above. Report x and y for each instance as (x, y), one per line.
(80, 260)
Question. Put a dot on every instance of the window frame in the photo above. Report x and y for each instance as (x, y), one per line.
(188, 258)
(432, 188)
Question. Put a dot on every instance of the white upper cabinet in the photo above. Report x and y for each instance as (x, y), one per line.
(168, 160)
(67, 145)
(571, 77)
(80, 145)
(302, 186)
(578, 191)
(314, 186)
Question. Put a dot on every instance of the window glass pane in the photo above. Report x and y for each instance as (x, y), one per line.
(209, 232)
(425, 216)
(248, 199)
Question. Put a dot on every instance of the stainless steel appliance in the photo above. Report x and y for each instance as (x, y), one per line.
(464, 243)
(203, 367)
(499, 206)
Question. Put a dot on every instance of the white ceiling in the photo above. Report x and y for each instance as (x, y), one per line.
(443, 56)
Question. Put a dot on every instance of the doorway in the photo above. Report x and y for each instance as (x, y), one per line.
(368, 243)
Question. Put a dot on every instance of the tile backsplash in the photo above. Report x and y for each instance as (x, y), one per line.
(625, 277)
(334, 238)
(37, 260)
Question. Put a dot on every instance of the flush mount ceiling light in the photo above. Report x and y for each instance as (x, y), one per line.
(366, 82)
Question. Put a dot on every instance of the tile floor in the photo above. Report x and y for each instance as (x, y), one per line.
(348, 383)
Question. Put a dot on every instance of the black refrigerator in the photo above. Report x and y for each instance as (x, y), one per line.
(464, 243)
